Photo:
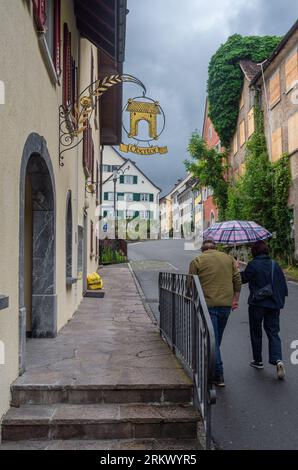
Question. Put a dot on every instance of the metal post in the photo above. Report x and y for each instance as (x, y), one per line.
(173, 314)
(100, 197)
(115, 177)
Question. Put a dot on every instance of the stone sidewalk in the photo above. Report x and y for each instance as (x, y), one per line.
(107, 381)
(109, 341)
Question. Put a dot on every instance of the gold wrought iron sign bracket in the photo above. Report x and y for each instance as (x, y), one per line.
(74, 119)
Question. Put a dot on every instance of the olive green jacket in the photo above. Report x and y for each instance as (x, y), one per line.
(219, 277)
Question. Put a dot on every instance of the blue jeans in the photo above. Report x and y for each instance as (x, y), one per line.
(219, 317)
(259, 316)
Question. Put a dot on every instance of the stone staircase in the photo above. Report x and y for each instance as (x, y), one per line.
(101, 418)
(107, 381)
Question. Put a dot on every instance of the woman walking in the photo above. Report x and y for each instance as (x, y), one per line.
(268, 290)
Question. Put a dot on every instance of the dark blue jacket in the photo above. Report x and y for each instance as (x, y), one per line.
(258, 275)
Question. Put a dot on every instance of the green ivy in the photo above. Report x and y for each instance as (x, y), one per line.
(209, 167)
(262, 193)
(225, 79)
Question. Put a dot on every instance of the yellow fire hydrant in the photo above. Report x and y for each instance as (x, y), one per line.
(94, 281)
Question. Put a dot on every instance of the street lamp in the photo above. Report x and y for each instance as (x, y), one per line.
(116, 172)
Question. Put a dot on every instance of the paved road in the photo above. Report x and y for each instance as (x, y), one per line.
(254, 411)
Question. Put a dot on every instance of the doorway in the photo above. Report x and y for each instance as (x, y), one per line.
(37, 277)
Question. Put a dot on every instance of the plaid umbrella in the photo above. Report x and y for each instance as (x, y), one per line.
(236, 232)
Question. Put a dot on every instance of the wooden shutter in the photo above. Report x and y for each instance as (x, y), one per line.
(67, 67)
(86, 151)
(293, 133)
(291, 70)
(274, 89)
(57, 36)
(151, 197)
(121, 179)
(40, 15)
(136, 197)
(135, 180)
(242, 133)
(276, 144)
(106, 196)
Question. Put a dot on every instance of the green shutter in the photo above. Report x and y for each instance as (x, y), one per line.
(151, 197)
(137, 213)
(105, 214)
(106, 196)
(122, 179)
(136, 197)
(135, 180)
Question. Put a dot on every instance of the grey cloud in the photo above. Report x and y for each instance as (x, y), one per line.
(169, 45)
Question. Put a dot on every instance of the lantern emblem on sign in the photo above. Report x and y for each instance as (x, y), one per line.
(148, 110)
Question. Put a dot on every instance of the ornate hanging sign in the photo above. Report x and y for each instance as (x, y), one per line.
(148, 110)
(74, 119)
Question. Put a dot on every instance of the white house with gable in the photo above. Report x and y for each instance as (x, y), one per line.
(137, 197)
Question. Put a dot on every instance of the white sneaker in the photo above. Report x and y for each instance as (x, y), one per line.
(280, 369)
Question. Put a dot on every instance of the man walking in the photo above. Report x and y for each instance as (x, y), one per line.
(268, 290)
(221, 283)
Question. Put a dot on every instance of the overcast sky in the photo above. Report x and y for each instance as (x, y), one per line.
(169, 45)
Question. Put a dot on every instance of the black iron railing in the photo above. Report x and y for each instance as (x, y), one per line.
(186, 325)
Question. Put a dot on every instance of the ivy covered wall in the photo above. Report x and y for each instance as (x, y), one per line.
(225, 79)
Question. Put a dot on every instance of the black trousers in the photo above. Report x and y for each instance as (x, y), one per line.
(269, 319)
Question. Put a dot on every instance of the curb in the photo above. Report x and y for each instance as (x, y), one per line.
(142, 296)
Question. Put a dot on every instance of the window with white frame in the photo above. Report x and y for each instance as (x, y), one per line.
(129, 179)
(145, 197)
(109, 168)
(128, 197)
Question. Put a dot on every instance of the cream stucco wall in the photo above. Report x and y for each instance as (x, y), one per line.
(32, 104)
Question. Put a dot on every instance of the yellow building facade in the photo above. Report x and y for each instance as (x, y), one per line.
(48, 241)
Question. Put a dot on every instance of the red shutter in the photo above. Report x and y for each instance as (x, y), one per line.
(69, 70)
(40, 9)
(67, 67)
(85, 151)
(88, 153)
(57, 36)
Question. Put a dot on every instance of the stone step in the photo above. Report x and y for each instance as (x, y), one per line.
(96, 394)
(120, 444)
(107, 421)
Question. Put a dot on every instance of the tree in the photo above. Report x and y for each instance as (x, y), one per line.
(209, 167)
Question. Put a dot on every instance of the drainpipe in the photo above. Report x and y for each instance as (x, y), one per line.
(268, 110)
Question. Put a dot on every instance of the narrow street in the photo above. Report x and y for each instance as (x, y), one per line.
(254, 411)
